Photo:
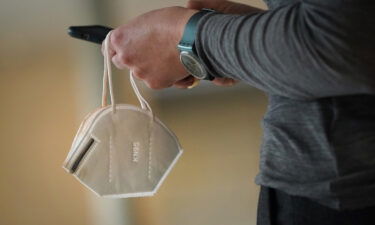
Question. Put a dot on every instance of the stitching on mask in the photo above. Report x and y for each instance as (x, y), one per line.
(150, 139)
(110, 159)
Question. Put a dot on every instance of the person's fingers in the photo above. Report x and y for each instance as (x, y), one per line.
(110, 49)
(118, 61)
(157, 84)
(222, 81)
(139, 74)
(185, 83)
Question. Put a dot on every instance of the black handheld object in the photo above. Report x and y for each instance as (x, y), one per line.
(94, 33)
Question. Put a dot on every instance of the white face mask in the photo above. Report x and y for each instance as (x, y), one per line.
(122, 150)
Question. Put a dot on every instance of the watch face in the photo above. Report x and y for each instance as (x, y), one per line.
(193, 65)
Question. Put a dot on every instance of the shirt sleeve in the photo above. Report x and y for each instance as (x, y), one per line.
(307, 50)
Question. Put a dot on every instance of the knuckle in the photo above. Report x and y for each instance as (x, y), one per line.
(116, 37)
(118, 64)
(158, 84)
(138, 74)
(125, 58)
(154, 85)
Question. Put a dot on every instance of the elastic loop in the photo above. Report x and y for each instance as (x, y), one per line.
(107, 76)
(142, 101)
(107, 81)
(105, 84)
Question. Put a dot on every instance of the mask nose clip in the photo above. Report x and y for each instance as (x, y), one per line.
(80, 154)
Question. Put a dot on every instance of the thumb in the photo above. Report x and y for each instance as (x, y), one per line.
(194, 4)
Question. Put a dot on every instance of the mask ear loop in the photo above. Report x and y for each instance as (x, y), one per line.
(107, 81)
(105, 84)
(141, 99)
(107, 76)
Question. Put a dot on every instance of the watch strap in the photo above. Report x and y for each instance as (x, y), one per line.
(187, 43)
(188, 38)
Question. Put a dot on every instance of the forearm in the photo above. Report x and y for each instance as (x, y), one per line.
(302, 51)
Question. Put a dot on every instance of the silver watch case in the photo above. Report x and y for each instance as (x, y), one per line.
(193, 64)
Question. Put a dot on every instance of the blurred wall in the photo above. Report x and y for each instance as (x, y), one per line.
(40, 112)
(213, 181)
(49, 81)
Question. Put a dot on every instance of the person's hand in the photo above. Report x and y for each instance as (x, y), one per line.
(223, 7)
(147, 45)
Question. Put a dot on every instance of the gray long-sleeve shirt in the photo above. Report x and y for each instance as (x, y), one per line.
(316, 61)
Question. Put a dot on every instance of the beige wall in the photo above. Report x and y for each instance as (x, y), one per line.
(48, 82)
(38, 95)
(213, 181)
(37, 123)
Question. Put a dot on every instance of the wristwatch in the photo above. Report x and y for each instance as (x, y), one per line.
(188, 56)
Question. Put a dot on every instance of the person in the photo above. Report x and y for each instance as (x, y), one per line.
(315, 61)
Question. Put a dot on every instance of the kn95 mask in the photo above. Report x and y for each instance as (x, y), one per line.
(122, 150)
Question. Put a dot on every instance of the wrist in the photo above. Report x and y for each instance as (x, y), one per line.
(183, 21)
(188, 57)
